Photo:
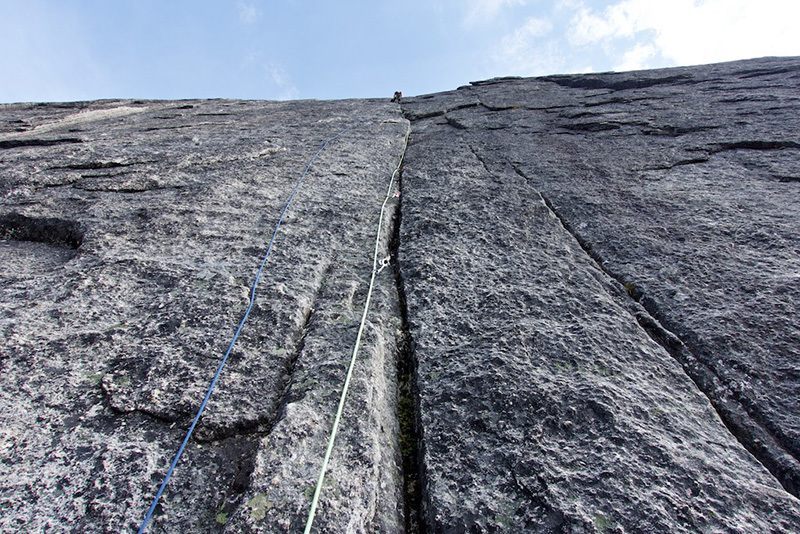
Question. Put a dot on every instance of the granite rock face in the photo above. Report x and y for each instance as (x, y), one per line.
(132, 234)
(588, 322)
(602, 275)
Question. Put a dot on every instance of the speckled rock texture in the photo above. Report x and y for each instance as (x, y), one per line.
(588, 322)
(132, 234)
(602, 277)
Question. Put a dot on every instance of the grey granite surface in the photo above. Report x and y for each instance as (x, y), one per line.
(589, 322)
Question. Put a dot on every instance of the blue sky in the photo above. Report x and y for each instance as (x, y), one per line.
(62, 50)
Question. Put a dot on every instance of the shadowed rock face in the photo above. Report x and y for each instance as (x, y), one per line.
(575, 402)
(589, 323)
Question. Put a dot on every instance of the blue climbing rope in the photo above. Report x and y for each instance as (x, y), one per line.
(238, 330)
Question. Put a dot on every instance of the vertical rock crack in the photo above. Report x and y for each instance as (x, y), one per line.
(410, 437)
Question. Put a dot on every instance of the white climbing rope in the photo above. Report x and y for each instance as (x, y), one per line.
(375, 270)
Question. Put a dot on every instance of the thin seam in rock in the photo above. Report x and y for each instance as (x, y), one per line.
(299, 345)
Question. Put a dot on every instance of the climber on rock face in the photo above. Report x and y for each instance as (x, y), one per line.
(397, 96)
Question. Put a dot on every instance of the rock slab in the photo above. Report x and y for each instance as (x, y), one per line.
(587, 320)
(602, 278)
(132, 232)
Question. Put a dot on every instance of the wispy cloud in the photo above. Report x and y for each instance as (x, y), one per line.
(636, 32)
(280, 77)
(248, 13)
(274, 80)
(520, 45)
(530, 50)
(484, 11)
(637, 58)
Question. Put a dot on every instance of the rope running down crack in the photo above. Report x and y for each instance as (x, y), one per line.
(377, 267)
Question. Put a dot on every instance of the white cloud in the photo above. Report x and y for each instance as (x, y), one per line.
(687, 32)
(527, 51)
(637, 58)
(275, 82)
(520, 44)
(248, 13)
(567, 4)
(481, 11)
(278, 74)
(616, 21)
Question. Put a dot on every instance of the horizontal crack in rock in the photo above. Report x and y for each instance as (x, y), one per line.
(413, 117)
(680, 163)
(27, 143)
(596, 82)
(753, 145)
(95, 165)
(49, 230)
